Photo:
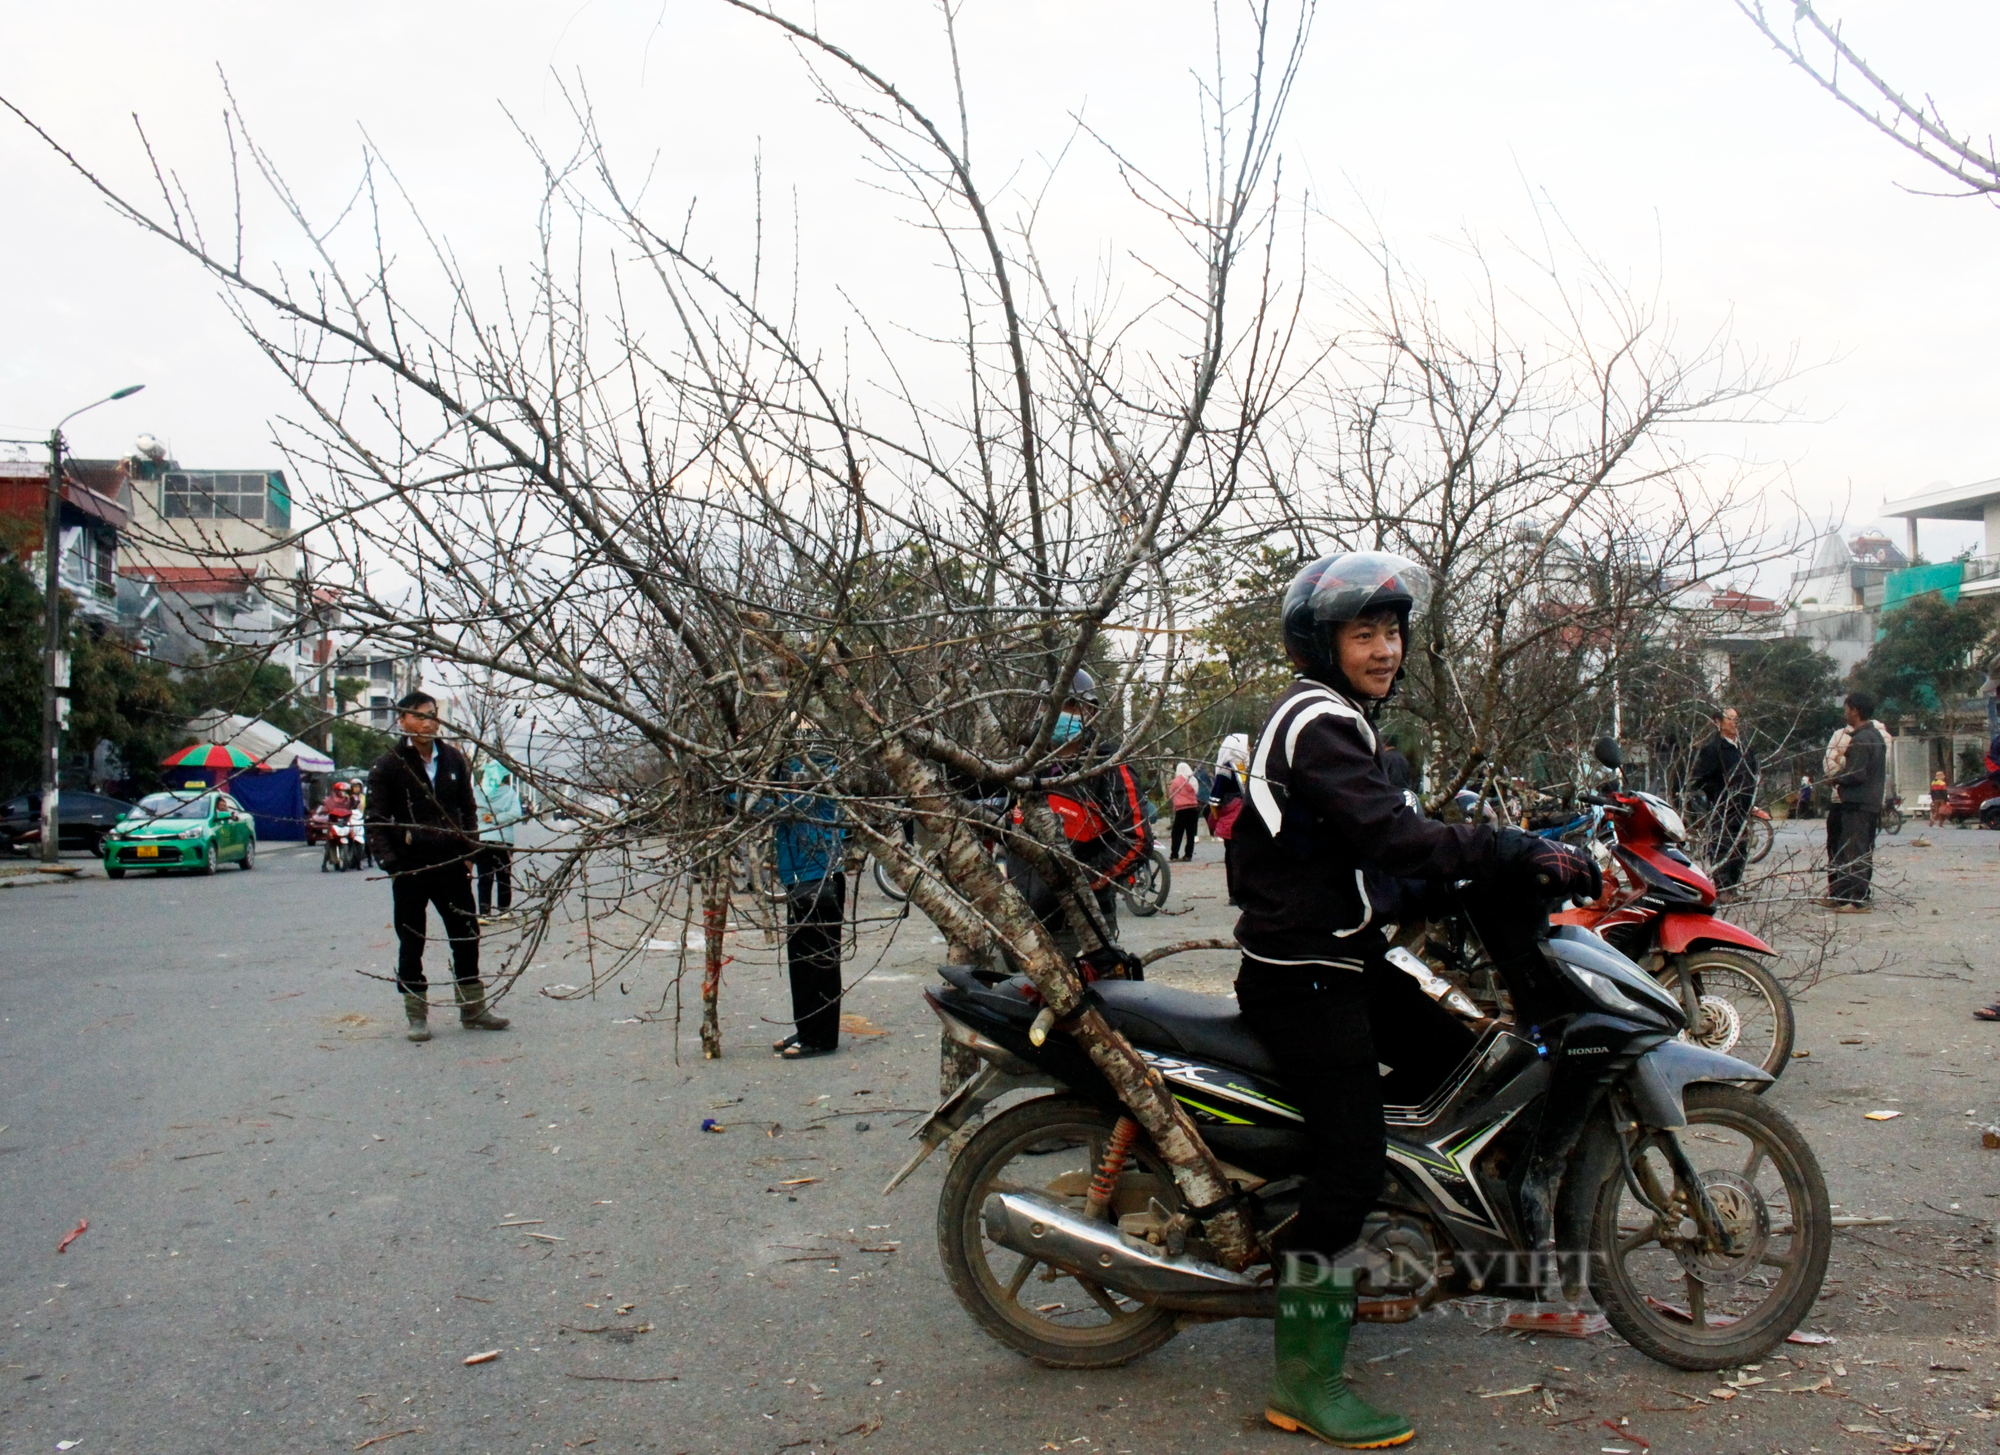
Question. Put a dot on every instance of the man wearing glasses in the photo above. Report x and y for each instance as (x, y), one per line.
(423, 827)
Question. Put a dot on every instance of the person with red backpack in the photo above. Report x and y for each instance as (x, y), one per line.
(1104, 818)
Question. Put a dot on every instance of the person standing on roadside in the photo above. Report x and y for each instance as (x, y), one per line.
(499, 810)
(1857, 808)
(1725, 770)
(811, 865)
(1228, 807)
(1184, 795)
(423, 826)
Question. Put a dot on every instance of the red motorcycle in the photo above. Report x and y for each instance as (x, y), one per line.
(1658, 908)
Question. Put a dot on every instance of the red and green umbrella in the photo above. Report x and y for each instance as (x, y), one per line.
(208, 755)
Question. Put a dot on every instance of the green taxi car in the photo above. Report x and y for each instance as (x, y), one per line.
(197, 831)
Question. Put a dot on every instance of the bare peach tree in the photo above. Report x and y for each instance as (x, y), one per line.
(1822, 50)
(735, 567)
(1533, 451)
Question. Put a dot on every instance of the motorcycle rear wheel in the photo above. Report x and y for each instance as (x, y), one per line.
(1051, 1144)
(1761, 836)
(1745, 1011)
(1146, 891)
(884, 883)
(1695, 1310)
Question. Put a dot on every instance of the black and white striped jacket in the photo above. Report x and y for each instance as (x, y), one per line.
(1321, 824)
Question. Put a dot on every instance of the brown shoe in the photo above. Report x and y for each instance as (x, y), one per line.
(1855, 909)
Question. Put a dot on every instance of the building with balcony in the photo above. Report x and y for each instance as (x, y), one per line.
(232, 607)
(94, 529)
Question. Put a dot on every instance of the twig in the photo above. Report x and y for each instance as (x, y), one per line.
(625, 1378)
(392, 1435)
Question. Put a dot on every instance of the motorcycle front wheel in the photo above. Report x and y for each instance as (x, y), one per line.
(1744, 1011)
(1050, 1145)
(1707, 1308)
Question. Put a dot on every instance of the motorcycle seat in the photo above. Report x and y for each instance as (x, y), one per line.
(1208, 1027)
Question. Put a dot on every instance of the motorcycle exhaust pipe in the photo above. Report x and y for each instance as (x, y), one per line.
(1040, 1228)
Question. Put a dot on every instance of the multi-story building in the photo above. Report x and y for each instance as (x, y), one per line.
(95, 522)
(388, 677)
(216, 547)
(217, 518)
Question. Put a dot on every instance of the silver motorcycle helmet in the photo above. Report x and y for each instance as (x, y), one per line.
(1344, 586)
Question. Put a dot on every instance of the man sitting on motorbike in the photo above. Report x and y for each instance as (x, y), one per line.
(1103, 817)
(337, 804)
(1323, 840)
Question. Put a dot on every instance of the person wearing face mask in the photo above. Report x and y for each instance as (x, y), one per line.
(1323, 838)
(1103, 817)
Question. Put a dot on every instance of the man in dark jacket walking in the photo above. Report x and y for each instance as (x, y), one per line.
(1851, 818)
(1725, 770)
(423, 827)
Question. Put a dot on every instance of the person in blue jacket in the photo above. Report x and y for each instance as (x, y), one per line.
(811, 849)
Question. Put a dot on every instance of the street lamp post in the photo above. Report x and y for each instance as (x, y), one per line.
(55, 673)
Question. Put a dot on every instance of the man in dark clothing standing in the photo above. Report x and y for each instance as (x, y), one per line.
(810, 848)
(1725, 770)
(1851, 818)
(423, 827)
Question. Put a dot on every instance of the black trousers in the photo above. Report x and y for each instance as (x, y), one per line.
(1229, 867)
(495, 865)
(814, 914)
(1850, 852)
(1328, 1029)
(1730, 845)
(1185, 820)
(448, 887)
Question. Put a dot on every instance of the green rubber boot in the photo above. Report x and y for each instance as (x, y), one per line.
(472, 1011)
(419, 1012)
(1309, 1392)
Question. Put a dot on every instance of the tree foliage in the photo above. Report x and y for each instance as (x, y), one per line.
(1788, 693)
(1922, 665)
(115, 697)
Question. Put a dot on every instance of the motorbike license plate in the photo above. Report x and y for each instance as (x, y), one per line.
(148, 851)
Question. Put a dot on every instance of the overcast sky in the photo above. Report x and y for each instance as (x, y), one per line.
(1677, 145)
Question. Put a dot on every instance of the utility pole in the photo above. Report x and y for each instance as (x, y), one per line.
(55, 663)
(55, 666)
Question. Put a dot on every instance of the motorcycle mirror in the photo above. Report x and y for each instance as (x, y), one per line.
(1606, 752)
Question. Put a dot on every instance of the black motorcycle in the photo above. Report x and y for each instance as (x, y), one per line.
(1581, 1150)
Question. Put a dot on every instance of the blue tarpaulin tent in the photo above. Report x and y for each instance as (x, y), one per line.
(276, 799)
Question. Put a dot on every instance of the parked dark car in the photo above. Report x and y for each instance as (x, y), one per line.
(82, 820)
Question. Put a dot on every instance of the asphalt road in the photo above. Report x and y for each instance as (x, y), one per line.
(295, 1215)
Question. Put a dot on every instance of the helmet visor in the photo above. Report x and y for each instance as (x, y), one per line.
(1362, 581)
